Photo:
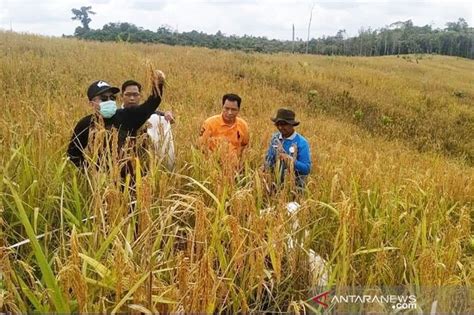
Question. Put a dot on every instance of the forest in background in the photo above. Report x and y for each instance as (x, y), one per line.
(403, 37)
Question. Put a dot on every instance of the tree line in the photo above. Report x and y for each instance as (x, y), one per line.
(456, 39)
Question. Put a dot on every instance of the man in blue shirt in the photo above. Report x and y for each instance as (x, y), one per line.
(288, 149)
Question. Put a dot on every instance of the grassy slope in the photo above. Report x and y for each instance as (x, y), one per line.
(370, 189)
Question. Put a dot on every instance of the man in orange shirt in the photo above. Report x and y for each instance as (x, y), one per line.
(226, 129)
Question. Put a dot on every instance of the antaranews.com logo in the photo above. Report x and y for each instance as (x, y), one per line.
(396, 301)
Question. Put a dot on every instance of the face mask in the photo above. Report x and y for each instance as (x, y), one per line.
(108, 108)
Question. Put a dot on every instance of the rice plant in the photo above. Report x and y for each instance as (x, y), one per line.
(386, 204)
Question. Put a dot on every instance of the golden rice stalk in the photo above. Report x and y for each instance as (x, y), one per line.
(116, 208)
(145, 195)
(183, 273)
(242, 206)
(244, 307)
(235, 241)
(258, 248)
(71, 278)
(122, 270)
(155, 77)
(204, 292)
(276, 244)
(200, 230)
(7, 298)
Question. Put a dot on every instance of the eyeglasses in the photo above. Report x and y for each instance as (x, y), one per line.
(131, 94)
(105, 98)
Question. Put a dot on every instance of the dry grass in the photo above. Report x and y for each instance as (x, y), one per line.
(376, 208)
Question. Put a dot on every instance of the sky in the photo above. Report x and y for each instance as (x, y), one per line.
(272, 19)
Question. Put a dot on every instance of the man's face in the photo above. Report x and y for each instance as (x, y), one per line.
(131, 96)
(230, 110)
(285, 129)
(104, 97)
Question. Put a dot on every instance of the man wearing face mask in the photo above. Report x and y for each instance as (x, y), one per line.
(125, 121)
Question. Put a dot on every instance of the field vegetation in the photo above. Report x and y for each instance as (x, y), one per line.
(389, 201)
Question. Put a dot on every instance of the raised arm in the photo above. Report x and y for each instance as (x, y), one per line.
(137, 116)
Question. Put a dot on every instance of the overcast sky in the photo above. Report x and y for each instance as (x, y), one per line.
(270, 18)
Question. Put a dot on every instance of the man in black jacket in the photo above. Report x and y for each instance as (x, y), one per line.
(125, 121)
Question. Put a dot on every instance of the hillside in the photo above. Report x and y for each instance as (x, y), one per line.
(389, 201)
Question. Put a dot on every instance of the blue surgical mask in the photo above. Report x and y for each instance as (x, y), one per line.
(108, 108)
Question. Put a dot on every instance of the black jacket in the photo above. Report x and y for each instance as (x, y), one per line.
(126, 120)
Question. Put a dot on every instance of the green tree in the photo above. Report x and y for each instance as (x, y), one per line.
(402, 37)
(460, 25)
(82, 15)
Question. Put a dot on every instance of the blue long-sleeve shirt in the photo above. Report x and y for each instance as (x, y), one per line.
(296, 146)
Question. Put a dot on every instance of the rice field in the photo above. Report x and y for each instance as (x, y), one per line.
(389, 201)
